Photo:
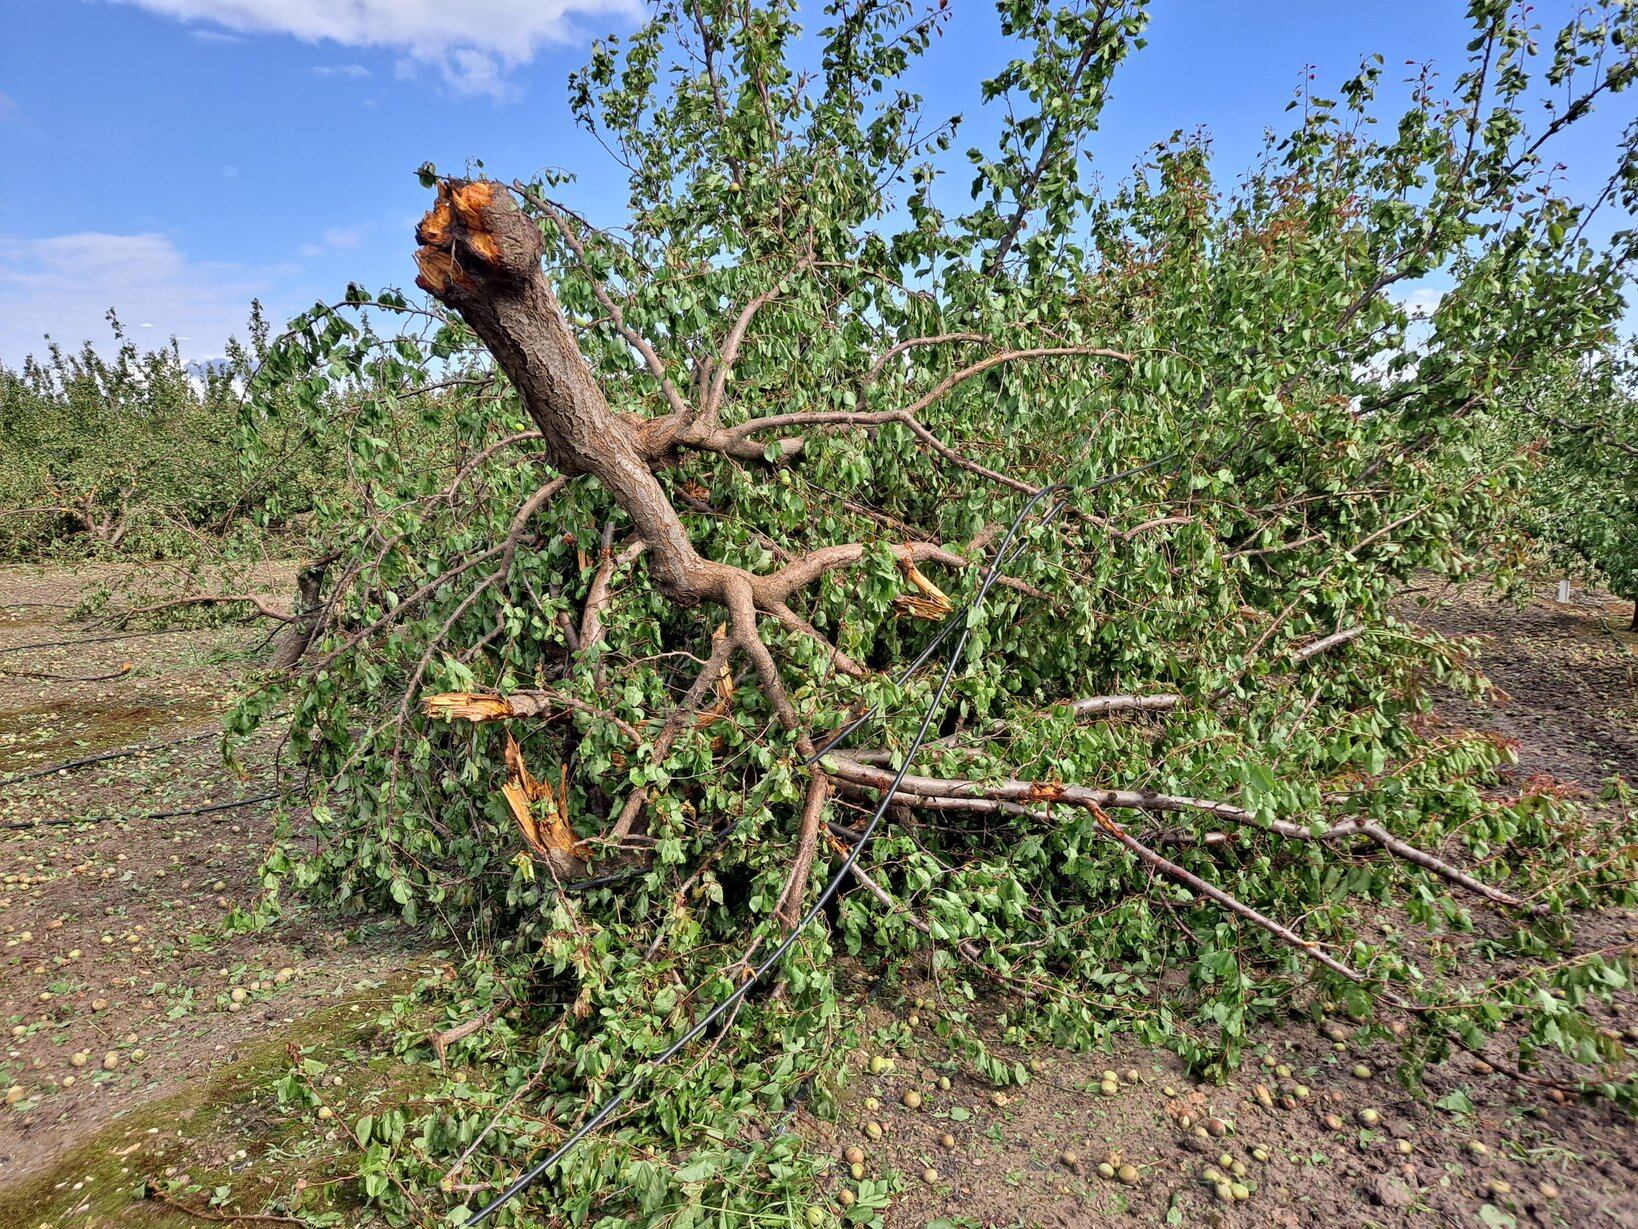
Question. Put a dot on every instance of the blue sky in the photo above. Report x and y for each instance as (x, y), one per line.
(175, 158)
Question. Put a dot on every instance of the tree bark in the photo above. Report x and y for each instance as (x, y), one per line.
(293, 640)
(480, 255)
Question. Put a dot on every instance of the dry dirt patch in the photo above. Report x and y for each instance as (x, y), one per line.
(119, 988)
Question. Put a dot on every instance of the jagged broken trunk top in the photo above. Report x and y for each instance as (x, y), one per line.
(480, 255)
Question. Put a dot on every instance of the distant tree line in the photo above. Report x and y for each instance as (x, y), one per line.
(136, 454)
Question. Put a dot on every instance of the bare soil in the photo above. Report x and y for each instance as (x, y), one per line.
(1566, 675)
(146, 1038)
(120, 988)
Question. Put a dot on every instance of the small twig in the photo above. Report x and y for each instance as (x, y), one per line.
(169, 1200)
(442, 1041)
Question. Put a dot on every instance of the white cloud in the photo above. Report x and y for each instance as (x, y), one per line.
(1423, 302)
(334, 239)
(474, 44)
(340, 70)
(65, 284)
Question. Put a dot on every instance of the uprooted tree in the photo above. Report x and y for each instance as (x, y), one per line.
(572, 694)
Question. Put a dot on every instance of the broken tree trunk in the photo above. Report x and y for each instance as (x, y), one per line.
(480, 255)
(293, 640)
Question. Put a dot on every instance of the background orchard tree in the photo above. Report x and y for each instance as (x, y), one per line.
(138, 456)
(95, 451)
(1585, 495)
(721, 473)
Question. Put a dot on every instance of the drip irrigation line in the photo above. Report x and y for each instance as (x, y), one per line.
(74, 644)
(733, 998)
(123, 672)
(120, 754)
(210, 809)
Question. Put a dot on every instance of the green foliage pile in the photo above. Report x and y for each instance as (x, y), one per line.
(1304, 445)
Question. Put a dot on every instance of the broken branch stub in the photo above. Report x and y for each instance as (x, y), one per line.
(541, 815)
(545, 828)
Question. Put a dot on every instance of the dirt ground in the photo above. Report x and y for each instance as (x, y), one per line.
(144, 1038)
(1567, 674)
(118, 985)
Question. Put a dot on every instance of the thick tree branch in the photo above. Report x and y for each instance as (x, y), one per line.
(261, 605)
(535, 702)
(1099, 706)
(480, 255)
(908, 416)
(807, 843)
(1013, 797)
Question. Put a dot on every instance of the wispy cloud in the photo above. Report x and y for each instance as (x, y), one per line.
(1422, 302)
(340, 70)
(64, 286)
(473, 46)
(334, 239)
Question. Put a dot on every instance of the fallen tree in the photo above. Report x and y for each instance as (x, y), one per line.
(602, 692)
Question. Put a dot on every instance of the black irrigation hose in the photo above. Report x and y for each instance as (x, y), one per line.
(74, 644)
(211, 809)
(120, 754)
(123, 672)
(739, 992)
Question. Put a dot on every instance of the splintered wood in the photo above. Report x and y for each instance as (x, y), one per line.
(932, 604)
(541, 814)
